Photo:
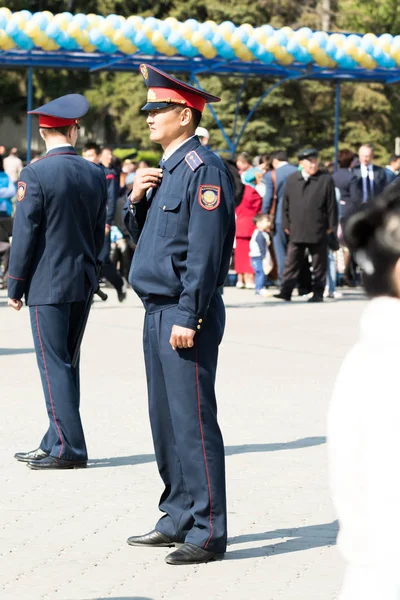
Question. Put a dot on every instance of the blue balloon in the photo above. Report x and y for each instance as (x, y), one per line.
(229, 25)
(320, 38)
(114, 20)
(106, 46)
(128, 30)
(206, 31)
(263, 55)
(3, 21)
(61, 38)
(152, 23)
(12, 28)
(292, 46)
(252, 44)
(26, 14)
(281, 38)
(52, 29)
(164, 28)
(23, 41)
(355, 39)
(378, 54)
(186, 49)
(81, 20)
(68, 16)
(193, 24)
(41, 20)
(175, 38)
(331, 48)
(95, 36)
(242, 35)
(386, 37)
(306, 31)
(143, 43)
(367, 45)
(388, 62)
(270, 31)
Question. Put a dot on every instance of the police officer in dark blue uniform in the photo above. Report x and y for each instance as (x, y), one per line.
(185, 212)
(57, 238)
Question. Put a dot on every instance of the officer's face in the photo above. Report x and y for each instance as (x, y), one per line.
(167, 124)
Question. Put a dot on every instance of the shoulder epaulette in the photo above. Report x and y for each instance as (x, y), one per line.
(193, 160)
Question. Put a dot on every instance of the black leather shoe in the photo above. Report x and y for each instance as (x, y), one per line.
(189, 554)
(37, 454)
(315, 299)
(282, 297)
(51, 462)
(153, 539)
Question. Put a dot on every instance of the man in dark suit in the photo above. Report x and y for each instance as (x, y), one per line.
(392, 169)
(310, 214)
(57, 238)
(274, 189)
(371, 180)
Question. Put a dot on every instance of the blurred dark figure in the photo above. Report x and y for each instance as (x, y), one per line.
(392, 169)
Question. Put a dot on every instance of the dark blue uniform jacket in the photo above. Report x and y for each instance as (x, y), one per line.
(112, 193)
(188, 227)
(58, 230)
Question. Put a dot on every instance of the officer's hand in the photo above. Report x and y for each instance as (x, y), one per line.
(144, 180)
(181, 337)
(15, 304)
(107, 229)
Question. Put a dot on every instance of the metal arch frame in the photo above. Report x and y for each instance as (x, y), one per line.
(120, 62)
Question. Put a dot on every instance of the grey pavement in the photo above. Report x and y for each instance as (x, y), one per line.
(63, 534)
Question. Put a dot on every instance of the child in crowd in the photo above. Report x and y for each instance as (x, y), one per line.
(259, 252)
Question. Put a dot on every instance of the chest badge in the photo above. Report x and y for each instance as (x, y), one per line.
(21, 191)
(209, 196)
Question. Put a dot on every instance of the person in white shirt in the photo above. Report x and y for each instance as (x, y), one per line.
(371, 179)
(364, 416)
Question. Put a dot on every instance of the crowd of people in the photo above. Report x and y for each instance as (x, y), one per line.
(288, 247)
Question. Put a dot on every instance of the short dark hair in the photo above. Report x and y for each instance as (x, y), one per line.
(279, 155)
(196, 117)
(393, 158)
(56, 130)
(373, 236)
(345, 158)
(106, 148)
(245, 156)
(91, 146)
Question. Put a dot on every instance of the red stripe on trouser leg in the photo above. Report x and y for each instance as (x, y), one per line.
(204, 448)
(48, 384)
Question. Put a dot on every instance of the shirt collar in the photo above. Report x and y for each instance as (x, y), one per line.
(59, 146)
(180, 152)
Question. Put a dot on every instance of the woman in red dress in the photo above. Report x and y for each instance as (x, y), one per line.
(249, 206)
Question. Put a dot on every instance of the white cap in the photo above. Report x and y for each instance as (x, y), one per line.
(202, 132)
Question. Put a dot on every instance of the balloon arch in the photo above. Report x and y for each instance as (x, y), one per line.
(93, 42)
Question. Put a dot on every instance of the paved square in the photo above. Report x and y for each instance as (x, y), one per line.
(62, 534)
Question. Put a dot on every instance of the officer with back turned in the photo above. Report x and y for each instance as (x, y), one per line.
(57, 238)
(185, 213)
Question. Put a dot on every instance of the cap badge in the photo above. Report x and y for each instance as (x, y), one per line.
(144, 72)
(209, 196)
(21, 191)
(151, 96)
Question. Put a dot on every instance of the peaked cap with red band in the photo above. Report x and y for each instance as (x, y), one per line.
(61, 112)
(165, 90)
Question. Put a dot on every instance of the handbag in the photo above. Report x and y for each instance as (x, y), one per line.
(267, 264)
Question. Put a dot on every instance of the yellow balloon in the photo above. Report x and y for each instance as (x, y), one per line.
(287, 60)
(227, 35)
(212, 24)
(19, 19)
(6, 12)
(93, 20)
(260, 35)
(89, 47)
(32, 29)
(271, 44)
(236, 42)
(247, 28)
(106, 28)
(159, 41)
(48, 14)
(171, 51)
(40, 40)
(336, 39)
(135, 21)
(288, 31)
(172, 22)
(313, 46)
(197, 39)
(370, 37)
(73, 29)
(117, 37)
(385, 45)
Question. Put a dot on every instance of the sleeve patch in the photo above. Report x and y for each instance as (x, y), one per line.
(209, 196)
(21, 190)
(193, 160)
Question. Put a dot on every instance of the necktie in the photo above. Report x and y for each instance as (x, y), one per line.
(368, 186)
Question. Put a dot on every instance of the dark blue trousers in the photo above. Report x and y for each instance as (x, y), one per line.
(187, 439)
(109, 270)
(54, 329)
(280, 248)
